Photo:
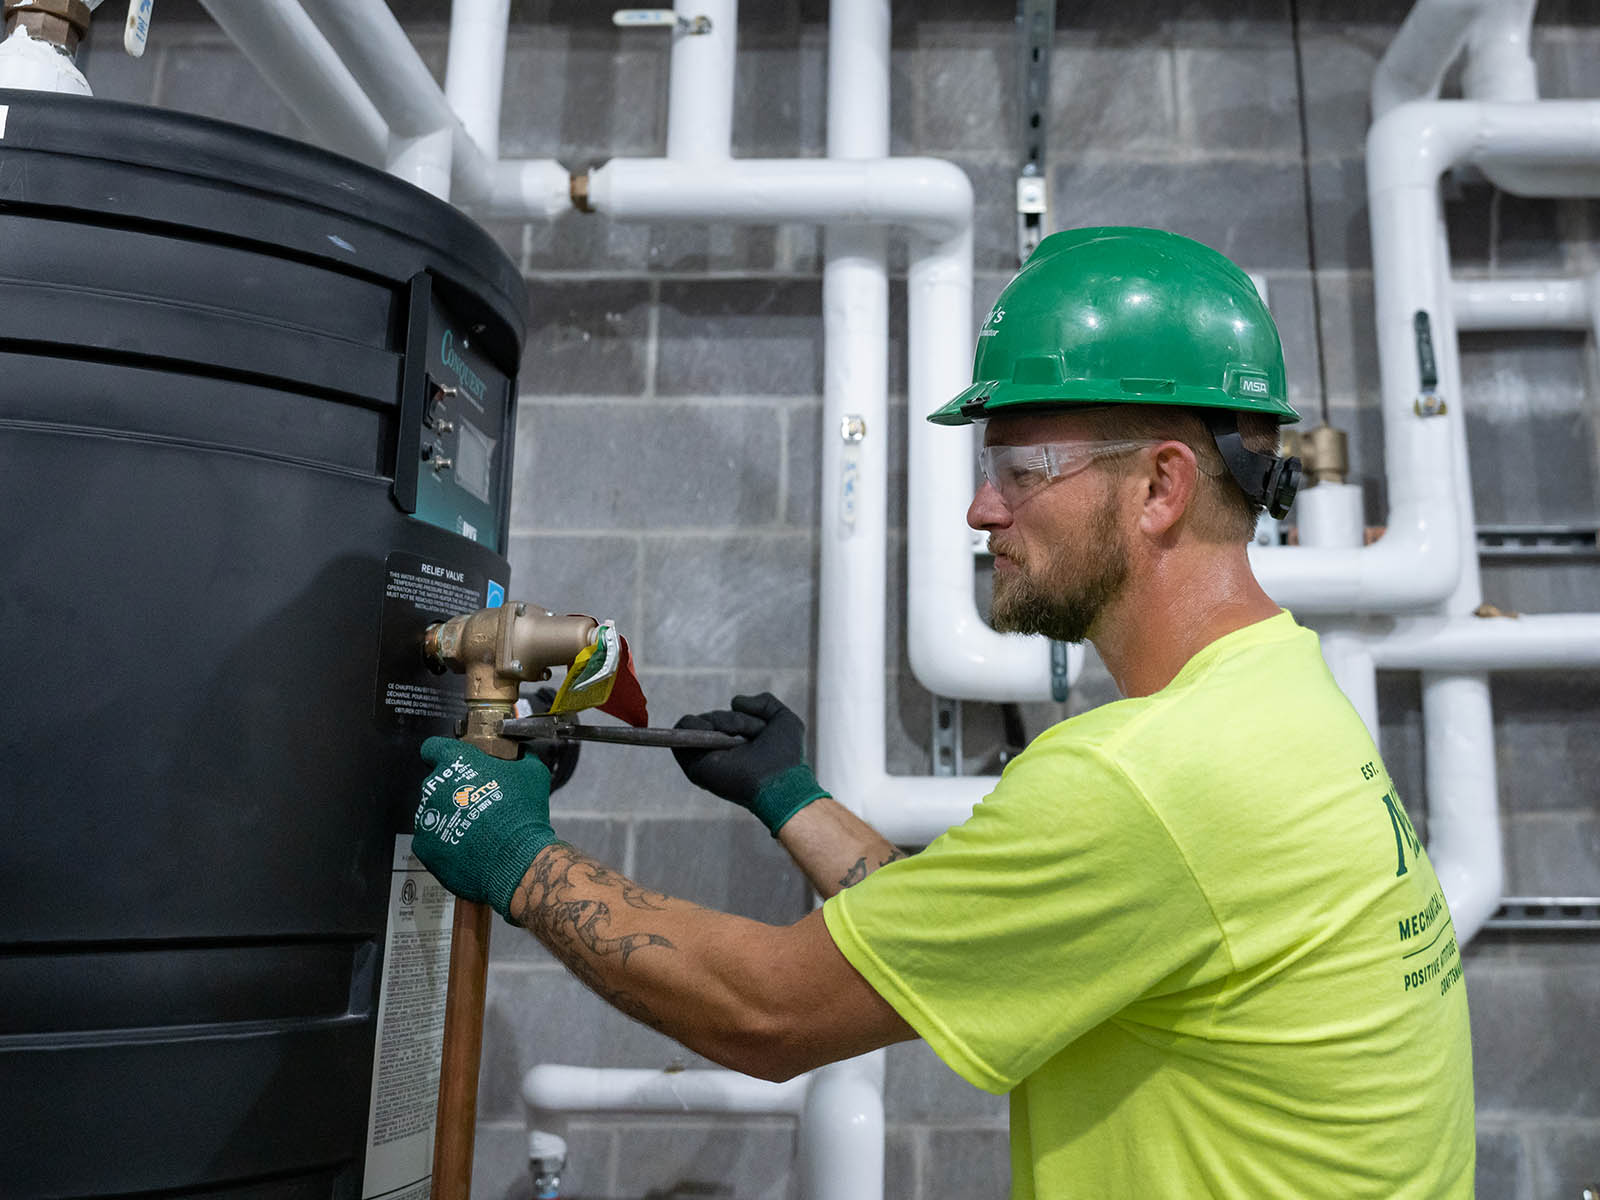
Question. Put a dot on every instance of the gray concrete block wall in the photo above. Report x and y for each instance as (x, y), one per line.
(670, 425)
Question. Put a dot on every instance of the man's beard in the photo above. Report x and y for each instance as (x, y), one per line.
(1063, 598)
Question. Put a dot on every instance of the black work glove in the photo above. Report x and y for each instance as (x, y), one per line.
(768, 774)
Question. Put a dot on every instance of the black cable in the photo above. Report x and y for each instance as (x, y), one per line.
(1311, 225)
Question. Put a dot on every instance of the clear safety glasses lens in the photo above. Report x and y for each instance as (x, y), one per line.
(1017, 472)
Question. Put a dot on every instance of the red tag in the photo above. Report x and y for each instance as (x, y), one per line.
(627, 702)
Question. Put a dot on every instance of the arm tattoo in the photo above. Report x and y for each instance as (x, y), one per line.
(575, 928)
(860, 871)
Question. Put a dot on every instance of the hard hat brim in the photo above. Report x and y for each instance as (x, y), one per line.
(993, 397)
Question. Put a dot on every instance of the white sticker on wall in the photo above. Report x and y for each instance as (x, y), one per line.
(405, 1057)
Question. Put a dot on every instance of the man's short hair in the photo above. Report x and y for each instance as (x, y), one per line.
(1221, 512)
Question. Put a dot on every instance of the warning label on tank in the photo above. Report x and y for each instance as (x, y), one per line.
(418, 592)
(405, 1060)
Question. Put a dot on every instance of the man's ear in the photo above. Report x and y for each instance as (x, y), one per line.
(1171, 483)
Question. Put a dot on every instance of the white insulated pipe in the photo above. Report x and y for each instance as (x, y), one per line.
(1332, 517)
(954, 652)
(851, 642)
(700, 85)
(1434, 33)
(32, 64)
(1419, 560)
(379, 54)
(922, 193)
(424, 135)
(1463, 796)
(1524, 303)
(475, 68)
(1499, 62)
(551, 1088)
(1555, 641)
(1407, 150)
(841, 1143)
(417, 135)
(1554, 143)
(299, 64)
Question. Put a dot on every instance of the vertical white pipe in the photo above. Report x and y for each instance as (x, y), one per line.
(853, 604)
(1463, 810)
(1499, 63)
(700, 86)
(851, 643)
(840, 1152)
(1457, 718)
(858, 79)
(841, 1138)
(1350, 662)
(474, 72)
(1331, 516)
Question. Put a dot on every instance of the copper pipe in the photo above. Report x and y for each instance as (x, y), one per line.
(497, 649)
(456, 1119)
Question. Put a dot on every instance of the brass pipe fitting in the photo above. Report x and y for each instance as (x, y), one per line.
(1324, 453)
(62, 23)
(578, 192)
(497, 649)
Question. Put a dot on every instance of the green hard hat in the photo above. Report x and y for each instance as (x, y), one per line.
(1116, 315)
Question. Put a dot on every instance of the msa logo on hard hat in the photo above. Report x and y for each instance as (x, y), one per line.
(1246, 382)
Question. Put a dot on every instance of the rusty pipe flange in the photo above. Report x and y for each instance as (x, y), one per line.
(62, 23)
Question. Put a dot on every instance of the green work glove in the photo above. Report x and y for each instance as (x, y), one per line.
(481, 820)
(768, 774)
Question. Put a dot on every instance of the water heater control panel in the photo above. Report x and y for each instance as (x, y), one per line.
(453, 461)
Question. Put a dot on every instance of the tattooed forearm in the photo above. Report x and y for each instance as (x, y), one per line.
(566, 902)
(860, 870)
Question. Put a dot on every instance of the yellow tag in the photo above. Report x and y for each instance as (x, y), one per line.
(592, 675)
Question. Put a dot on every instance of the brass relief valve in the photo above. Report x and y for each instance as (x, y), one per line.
(498, 649)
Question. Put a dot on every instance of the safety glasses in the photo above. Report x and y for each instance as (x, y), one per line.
(1018, 472)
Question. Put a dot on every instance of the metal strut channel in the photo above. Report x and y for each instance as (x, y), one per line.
(1036, 28)
(1570, 542)
(1563, 913)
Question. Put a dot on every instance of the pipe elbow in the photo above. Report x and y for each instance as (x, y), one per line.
(1414, 143)
(1417, 563)
(955, 653)
(937, 194)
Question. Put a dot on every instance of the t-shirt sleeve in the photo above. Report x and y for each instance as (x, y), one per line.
(1060, 902)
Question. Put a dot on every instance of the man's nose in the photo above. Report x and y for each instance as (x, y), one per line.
(987, 509)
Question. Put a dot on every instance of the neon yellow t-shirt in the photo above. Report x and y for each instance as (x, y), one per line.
(1195, 937)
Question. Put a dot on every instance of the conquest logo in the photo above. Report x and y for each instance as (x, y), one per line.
(470, 379)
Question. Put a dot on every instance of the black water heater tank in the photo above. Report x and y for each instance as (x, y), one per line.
(256, 422)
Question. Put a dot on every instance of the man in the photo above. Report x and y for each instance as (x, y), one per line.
(1191, 932)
